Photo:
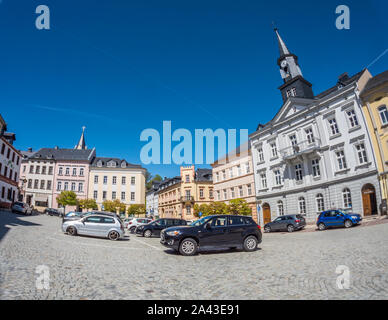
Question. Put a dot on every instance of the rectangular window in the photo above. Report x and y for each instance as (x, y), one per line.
(217, 177)
(383, 112)
(223, 174)
(95, 179)
(247, 167)
(24, 169)
(104, 195)
(309, 135)
(42, 182)
(48, 185)
(260, 154)
(113, 195)
(36, 184)
(231, 172)
(225, 194)
(274, 150)
(315, 167)
(73, 186)
(352, 117)
(218, 195)
(74, 171)
(263, 179)
(37, 170)
(361, 153)
(81, 172)
(44, 170)
(31, 169)
(67, 171)
(210, 193)
(59, 185)
(333, 126)
(298, 172)
(29, 186)
(341, 161)
(188, 209)
(187, 178)
(105, 180)
(66, 186)
(133, 180)
(201, 193)
(249, 189)
(123, 196)
(80, 187)
(114, 178)
(132, 196)
(123, 180)
(232, 193)
(95, 195)
(239, 170)
(278, 177)
(50, 171)
(60, 171)
(240, 191)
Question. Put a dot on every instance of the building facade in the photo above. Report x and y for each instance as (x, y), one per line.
(177, 196)
(113, 178)
(233, 178)
(316, 153)
(152, 200)
(375, 108)
(10, 160)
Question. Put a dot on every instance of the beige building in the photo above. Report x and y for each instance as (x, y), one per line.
(178, 195)
(233, 179)
(112, 178)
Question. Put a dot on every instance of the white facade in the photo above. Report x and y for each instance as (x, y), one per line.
(152, 201)
(314, 155)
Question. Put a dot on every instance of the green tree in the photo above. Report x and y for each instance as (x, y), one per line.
(150, 179)
(67, 198)
(136, 210)
(112, 206)
(88, 204)
(239, 207)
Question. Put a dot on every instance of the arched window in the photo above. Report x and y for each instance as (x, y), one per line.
(347, 197)
(302, 205)
(280, 208)
(320, 202)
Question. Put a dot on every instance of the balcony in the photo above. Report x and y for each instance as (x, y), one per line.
(302, 148)
(187, 199)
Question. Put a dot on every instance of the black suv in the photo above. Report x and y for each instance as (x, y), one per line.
(213, 231)
(288, 223)
(155, 227)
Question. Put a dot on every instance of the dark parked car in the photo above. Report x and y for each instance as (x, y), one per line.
(213, 231)
(337, 218)
(53, 212)
(155, 227)
(288, 223)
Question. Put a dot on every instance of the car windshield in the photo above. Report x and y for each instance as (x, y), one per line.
(201, 221)
(72, 214)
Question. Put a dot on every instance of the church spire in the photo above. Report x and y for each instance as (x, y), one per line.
(81, 143)
(283, 50)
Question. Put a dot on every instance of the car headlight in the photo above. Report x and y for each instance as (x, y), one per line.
(173, 233)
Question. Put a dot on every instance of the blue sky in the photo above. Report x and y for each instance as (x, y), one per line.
(119, 67)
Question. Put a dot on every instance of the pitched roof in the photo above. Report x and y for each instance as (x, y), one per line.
(64, 154)
(203, 175)
(375, 81)
(103, 162)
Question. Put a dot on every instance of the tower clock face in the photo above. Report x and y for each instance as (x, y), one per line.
(283, 64)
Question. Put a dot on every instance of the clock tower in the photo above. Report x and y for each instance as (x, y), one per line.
(294, 84)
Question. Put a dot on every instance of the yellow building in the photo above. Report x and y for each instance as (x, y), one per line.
(178, 195)
(112, 178)
(375, 108)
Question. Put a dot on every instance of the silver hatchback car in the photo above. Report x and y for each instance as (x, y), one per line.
(95, 225)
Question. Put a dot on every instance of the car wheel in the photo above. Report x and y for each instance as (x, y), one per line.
(290, 228)
(132, 229)
(267, 229)
(113, 235)
(148, 233)
(250, 243)
(188, 247)
(348, 224)
(72, 231)
(321, 226)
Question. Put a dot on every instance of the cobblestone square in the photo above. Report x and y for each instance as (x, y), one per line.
(299, 265)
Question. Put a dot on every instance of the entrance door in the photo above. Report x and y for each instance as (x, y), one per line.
(369, 200)
(266, 213)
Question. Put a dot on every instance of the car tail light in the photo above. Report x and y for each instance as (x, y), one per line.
(259, 227)
(297, 220)
(130, 222)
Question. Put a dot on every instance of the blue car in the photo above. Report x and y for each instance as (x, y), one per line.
(337, 218)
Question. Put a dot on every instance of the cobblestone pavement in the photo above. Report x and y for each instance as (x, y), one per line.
(299, 265)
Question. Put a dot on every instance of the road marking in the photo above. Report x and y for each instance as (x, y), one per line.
(147, 244)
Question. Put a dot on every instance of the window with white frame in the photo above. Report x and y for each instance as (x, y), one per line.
(114, 180)
(105, 180)
(293, 140)
(66, 186)
(113, 195)
(298, 172)
(123, 195)
(361, 153)
(260, 154)
(95, 193)
(231, 172)
(239, 170)
(280, 208)
(320, 202)
(123, 180)
(132, 196)
(347, 197)
(133, 180)
(341, 161)
(263, 179)
(333, 126)
(73, 186)
(81, 172)
(249, 189)
(383, 112)
(217, 177)
(67, 171)
(60, 170)
(302, 205)
(223, 174)
(95, 179)
(59, 185)
(225, 194)
(352, 118)
(210, 193)
(232, 193)
(80, 187)
(291, 92)
(247, 167)
(240, 191)
(218, 195)
(201, 194)
(278, 177)
(274, 150)
(309, 135)
(315, 167)
(74, 171)
(104, 195)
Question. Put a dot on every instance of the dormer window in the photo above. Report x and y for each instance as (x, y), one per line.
(123, 164)
(99, 163)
